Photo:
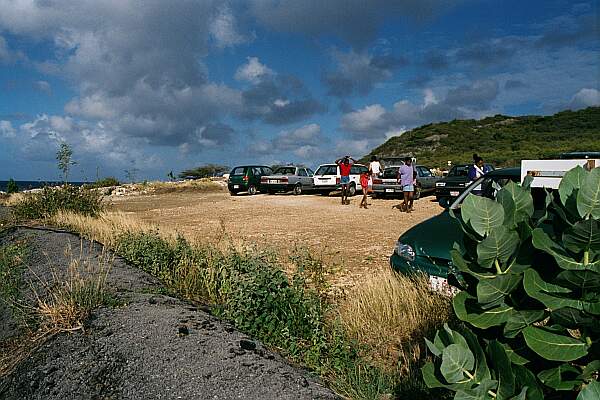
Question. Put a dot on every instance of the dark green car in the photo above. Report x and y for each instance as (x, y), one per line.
(426, 246)
(246, 178)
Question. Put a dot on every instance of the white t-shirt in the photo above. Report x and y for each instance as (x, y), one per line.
(375, 167)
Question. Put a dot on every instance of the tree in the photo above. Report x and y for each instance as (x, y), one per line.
(63, 155)
(204, 171)
(12, 187)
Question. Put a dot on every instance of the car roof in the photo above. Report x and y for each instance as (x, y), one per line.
(334, 164)
(251, 165)
(513, 171)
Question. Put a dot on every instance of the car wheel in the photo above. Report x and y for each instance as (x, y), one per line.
(233, 193)
(297, 189)
(251, 190)
(352, 190)
(418, 191)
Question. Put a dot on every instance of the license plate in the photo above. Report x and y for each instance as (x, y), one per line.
(236, 186)
(273, 181)
(454, 193)
(389, 190)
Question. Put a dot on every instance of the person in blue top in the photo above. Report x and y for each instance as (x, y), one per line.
(477, 170)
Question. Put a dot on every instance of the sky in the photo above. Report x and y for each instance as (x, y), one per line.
(153, 86)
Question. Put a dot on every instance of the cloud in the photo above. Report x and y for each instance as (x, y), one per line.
(224, 30)
(307, 135)
(253, 71)
(586, 97)
(43, 86)
(478, 95)
(7, 55)
(355, 21)
(357, 73)
(435, 60)
(512, 84)
(6, 129)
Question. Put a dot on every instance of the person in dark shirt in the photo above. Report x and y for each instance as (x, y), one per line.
(476, 171)
(345, 165)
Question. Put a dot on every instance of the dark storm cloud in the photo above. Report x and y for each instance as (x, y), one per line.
(477, 96)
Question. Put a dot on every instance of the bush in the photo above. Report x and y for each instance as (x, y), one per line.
(104, 182)
(51, 200)
(532, 296)
(12, 187)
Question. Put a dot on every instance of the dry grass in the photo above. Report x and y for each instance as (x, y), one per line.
(12, 199)
(391, 314)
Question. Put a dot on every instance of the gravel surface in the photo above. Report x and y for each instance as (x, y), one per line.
(151, 347)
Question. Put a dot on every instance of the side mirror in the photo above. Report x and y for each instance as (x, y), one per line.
(444, 203)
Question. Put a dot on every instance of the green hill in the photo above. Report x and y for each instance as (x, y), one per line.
(500, 140)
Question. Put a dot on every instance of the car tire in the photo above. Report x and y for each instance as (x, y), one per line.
(251, 190)
(418, 192)
(351, 190)
(297, 190)
(233, 193)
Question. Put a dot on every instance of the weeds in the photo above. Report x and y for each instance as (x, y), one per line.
(50, 200)
(11, 277)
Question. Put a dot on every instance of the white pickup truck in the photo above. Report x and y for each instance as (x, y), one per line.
(327, 178)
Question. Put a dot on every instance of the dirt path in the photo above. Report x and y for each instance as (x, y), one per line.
(355, 240)
(152, 346)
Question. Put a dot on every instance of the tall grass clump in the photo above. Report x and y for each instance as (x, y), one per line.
(50, 200)
(11, 276)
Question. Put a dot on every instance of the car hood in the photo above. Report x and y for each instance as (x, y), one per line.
(435, 236)
(455, 179)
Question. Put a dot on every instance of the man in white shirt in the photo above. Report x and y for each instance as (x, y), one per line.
(375, 169)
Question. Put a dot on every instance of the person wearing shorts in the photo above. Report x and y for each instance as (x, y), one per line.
(345, 165)
(407, 178)
(364, 183)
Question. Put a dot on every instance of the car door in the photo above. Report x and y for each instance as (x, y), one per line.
(309, 178)
(425, 177)
(303, 176)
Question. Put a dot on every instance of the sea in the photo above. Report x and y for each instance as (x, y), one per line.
(26, 185)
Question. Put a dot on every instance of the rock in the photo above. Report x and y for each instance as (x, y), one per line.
(247, 344)
(183, 330)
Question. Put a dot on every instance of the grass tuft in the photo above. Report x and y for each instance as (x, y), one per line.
(50, 200)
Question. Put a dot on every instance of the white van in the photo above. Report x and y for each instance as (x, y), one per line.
(327, 178)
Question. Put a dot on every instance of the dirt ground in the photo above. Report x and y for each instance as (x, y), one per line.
(352, 241)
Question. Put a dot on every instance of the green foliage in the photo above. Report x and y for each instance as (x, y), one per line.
(11, 274)
(104, 182)
(531, 299)
(250, 289)
(64, 157)
(500, 140)
(50, 200)
(204, 171)
(11, 186)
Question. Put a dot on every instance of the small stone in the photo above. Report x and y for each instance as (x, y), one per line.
(247, 344)
(152, 300)
(183, 330)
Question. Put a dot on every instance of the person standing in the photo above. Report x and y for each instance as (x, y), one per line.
(476, 171)
(345, 165)
(375, 169)
(364, 183)
(407, 178)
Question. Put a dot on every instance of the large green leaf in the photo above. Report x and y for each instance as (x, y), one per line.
(457, 363)
(553, 346)
(470, 268)
(467, 309)
(499, 245)
(543, 242)
(518, 320)
(480, 392)
(575, 319)
(556, 379)
(525, 377)
(579, 279)
(571, 182)
(515, 355)
(590, 391)
(504, 372)
(482, 214)
(517, 203)
(491, 292)
(583, 236)
(482, 371)
(590, 369)
(555, 296)
(588, 198)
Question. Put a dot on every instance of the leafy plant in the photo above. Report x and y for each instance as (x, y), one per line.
(531, 299)
(64, 157)
(12, 187)
(204, 171)
(104, 182)
(51, 200)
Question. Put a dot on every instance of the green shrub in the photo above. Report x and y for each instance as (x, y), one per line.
(11, 186)
(51, 200)
(11, 274)
(104, 182)
(532, 297)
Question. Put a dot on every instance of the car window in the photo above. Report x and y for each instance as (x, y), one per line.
(266, 170)
(285, 171)
(310, 172)
(358, 169)
(424, 172)
(256, 171)
(327, 170)
(390, 173)
(238, 171)
(462, 170)
(302, 172)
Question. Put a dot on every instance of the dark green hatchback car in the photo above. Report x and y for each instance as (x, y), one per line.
(246, 178)
(426, 246)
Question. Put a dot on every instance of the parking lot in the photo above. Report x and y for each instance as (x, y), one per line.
(353, 242)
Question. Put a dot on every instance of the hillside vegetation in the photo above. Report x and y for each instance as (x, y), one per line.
(500, 140)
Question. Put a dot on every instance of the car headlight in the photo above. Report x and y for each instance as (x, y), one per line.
(405, 251)
(440, 184)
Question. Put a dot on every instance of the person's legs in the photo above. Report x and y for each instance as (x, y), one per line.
(344, 193)
(406, 200)
(410, 201)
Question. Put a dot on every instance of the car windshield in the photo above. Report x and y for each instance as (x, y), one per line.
(462, 170)
(327, 170)
(390, 173)
(486, 186)
(238, 171)
(285, 171)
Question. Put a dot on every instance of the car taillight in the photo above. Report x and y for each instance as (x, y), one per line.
(377, 181)
(284, 179)
(337, 180)
(263, 179)
(245, 177)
